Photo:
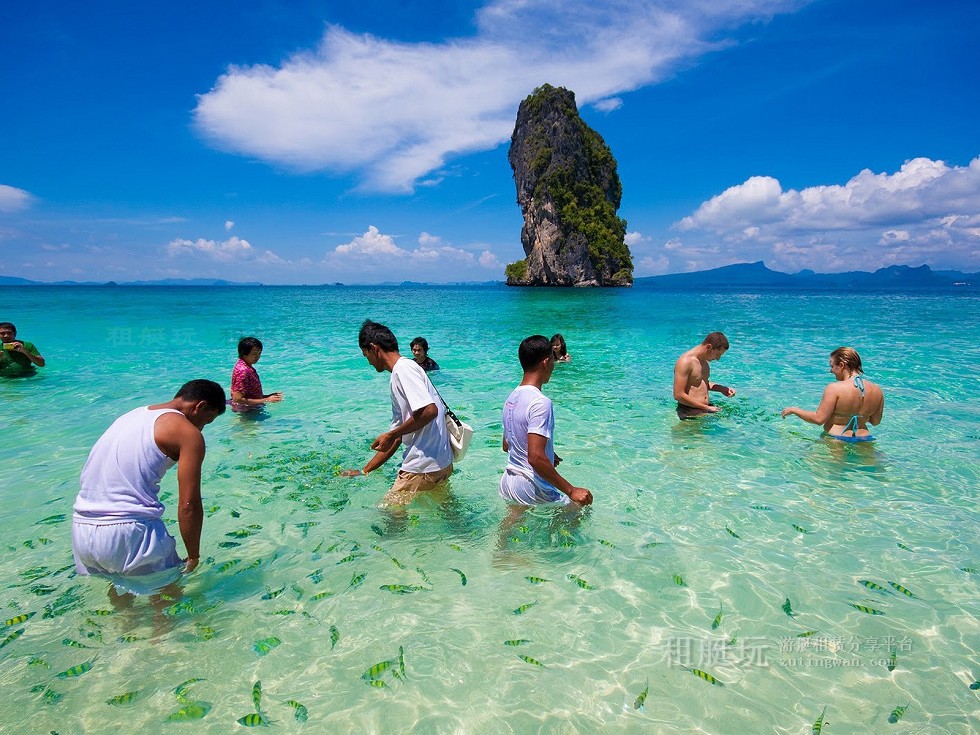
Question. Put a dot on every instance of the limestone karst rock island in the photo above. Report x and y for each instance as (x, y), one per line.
(569, 192)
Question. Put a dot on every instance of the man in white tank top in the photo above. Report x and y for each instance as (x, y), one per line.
(117, 528)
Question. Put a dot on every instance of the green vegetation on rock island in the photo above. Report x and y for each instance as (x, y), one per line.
(569, 192)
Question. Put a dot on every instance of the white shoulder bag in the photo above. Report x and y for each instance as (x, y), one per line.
(460, 433)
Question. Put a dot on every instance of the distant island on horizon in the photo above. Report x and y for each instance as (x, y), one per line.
(13, 281)
(757, 275)
(738, 276)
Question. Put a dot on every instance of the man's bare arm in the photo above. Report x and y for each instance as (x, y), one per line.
(419, 419)
(538, 458)
(723, 389)
(375, 462)
(36, 359)
(386, 444)
(181, 440)
(239, 399)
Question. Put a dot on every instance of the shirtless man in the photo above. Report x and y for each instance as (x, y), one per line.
(849, 404)
(692, 377)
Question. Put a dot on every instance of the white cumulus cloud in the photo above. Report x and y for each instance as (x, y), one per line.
(371, 243)
(893, 236)
(432, 247)
(489, 260)
(635, 238)
(926, 212)
(654, 266)
(608, 105)
(921, 189)
(13, 199)
(228, 225)
(374, 248)
(232, 249)
(394, 112)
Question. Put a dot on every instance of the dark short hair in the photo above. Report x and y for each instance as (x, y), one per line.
(420, 341)
(373, 333)
(204, 390)
(533, 350)
(247, 344)
(716, 340)
(8, 325)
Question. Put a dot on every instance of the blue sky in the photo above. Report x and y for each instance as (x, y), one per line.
(314, 142)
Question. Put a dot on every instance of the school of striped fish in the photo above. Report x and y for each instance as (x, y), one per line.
(57, 595)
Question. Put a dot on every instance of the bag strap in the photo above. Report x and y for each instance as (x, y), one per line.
(449, 411)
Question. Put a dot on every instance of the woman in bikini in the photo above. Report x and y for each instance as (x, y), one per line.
(849, 404)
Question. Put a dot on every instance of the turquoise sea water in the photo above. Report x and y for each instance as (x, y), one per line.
(735, 514)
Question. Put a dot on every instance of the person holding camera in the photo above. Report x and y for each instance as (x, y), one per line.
(17, 357)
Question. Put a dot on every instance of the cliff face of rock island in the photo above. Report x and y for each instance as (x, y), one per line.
(569, 192)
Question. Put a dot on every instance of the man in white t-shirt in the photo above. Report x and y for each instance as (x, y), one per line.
(529, 427)
(418, 420)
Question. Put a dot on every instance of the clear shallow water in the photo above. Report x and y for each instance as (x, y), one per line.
(656, 553)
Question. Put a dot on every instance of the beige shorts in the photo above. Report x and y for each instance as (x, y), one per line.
(408, 485)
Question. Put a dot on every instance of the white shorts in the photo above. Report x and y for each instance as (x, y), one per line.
(516, 488)
(137, 555)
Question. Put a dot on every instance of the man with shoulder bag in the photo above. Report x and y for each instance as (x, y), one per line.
(418, 422)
